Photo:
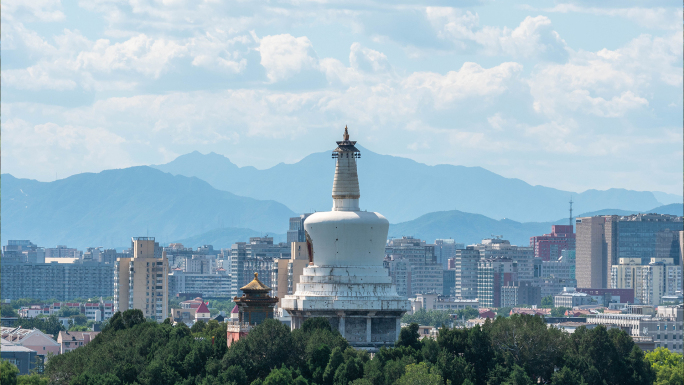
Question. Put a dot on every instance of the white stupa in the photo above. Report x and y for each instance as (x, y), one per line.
(346, 282)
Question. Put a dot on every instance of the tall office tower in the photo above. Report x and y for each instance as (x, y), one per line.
(638, 236)
(296, 231)
(595, 251)
(141, 281)
(492, 275)
(348, 283)
(465, 265)
(548, 247)
(445, 249)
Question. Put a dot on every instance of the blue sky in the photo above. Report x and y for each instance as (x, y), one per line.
(572, 95)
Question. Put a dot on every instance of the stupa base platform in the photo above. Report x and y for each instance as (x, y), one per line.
(364, 329)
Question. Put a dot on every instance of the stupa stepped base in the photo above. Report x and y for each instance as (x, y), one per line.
(363, 329)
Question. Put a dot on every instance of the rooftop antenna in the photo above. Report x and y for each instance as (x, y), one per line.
(570, 219)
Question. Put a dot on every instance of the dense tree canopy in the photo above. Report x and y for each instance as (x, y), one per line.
(517, 350)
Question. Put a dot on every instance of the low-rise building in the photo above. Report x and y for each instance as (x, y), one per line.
(665, 328)
(570, 298)
(33, 339)
(21, 357)
(69, 341)
(437, 302)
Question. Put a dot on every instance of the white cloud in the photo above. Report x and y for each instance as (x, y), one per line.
(608, 83)
(141, 54)
(470, 80)
(533, 38)
(39, 10)
(285, 55)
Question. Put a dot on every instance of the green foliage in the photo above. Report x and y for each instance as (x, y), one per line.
(8, 311)
(547, 302)
(526, 341)
(68, 312)
(8, 373)
(32, 379)
(434, 318)
(47, 325)
(420, 374)
(408, 337)
(503, 311)
(669, 366)
(558, 311)
(519, 350)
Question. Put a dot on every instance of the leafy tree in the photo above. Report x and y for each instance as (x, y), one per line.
(558, 311)
(68, 312)
(434, 318)
(503, 311)
(547, 302)
(80, 319)
(607, 357)
(8, 311)
(669, 366)
(336, 359)
(32, 379)
(526, 341)
(47, 325)
(409, 336)
(420, 374)
(8, 373)
(518, 377)
(567, 376)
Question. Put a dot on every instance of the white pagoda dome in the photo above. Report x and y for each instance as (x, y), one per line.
(347, 282)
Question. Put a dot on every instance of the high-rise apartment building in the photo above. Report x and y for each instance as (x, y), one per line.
(257, 256)
(421, 274)
(492, 275)
(141, 280)
(650, 282)
(548, 247)
(296, 231)
(61, 281)
(501, 248)
(465, 266)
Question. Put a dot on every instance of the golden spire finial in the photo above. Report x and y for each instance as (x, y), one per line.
(346, 133)
(256, 275)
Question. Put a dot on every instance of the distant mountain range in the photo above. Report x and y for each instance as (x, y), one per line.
(472, 228)
(108, 208)
(402, 189)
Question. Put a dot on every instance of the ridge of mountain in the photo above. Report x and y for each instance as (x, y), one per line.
(108, 208)
(471, 228)
(402, 189)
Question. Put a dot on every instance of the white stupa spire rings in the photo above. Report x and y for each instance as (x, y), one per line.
(345, 192)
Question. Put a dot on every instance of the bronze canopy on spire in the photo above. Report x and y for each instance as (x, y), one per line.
(346, 146)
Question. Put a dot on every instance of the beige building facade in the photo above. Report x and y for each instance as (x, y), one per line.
(595, 251)
(141, 281)
(286, 272)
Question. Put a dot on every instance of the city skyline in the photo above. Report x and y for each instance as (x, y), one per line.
(532, 90)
